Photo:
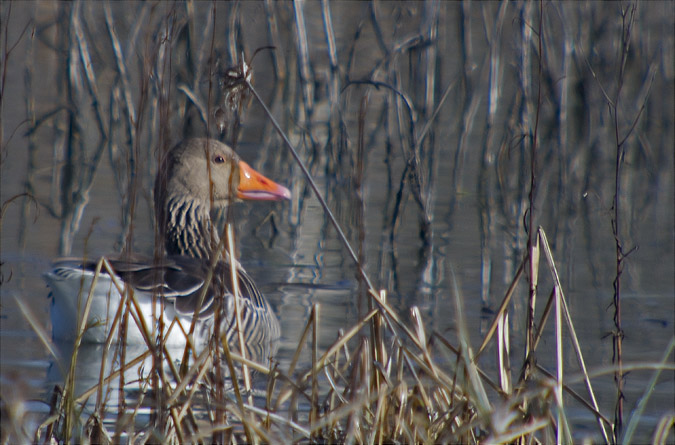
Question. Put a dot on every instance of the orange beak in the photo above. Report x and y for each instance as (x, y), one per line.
(253, 185)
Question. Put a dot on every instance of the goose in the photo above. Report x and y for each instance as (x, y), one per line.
(195, 178)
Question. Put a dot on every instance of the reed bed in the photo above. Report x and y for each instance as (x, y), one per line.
(380, 381)
(178, 70)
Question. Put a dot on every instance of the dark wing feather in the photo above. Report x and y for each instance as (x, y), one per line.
(180, 279)
(170, 278)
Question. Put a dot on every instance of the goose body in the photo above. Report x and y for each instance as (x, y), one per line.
(196, 177)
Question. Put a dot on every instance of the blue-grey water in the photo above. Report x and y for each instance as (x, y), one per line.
(473, 167)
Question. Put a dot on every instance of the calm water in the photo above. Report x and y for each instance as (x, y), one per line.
(473, 166)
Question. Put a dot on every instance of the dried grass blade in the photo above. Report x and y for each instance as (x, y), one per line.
(235, 384)
(359, 403)
(128, 365)
(250, 363)
(504, 359)
(199, 368)
(515, 435)
(663, 429)
(486, 378)
(576, 396)
(281, 420)
(301, 343)
(475, 386)
(570, 326)
(378, 427)
(639, 409)
(314, 402)
(342, 341)
(237, 310)
(37, 327)
(202, 295)
(502, 308)
(391, 313)
(559, 363)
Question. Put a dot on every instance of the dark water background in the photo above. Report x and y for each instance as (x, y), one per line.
(464, 218)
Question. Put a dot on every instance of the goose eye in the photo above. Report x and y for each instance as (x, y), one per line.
(218, 159)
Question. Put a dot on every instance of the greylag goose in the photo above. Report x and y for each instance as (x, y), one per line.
(196, 177)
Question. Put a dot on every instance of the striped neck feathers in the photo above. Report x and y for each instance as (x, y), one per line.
(189, 229)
